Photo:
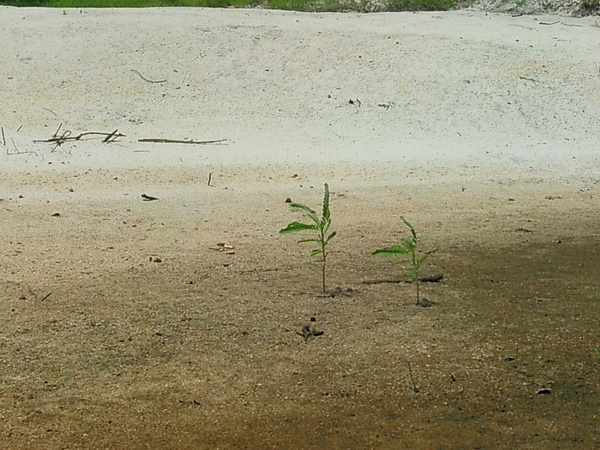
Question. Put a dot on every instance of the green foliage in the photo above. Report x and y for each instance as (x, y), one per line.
(420, 5)
(409, 246)
(320, 225)
(589, 6)
(295, 5)
(122, 3)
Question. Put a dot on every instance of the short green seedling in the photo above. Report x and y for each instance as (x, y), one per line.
(409, 246)
(320, 225)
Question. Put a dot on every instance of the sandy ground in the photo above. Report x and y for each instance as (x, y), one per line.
(126, 324)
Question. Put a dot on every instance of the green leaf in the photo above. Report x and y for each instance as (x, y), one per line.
(421, 262)
(311, 213)
(316, 252)
(326, 210)
(303, 207)
(412, 229)
(325, 226)
(391, 251)
(330, 237)
(409, 245)
(296, 227)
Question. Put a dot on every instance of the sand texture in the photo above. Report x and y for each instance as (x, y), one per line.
(178, 322)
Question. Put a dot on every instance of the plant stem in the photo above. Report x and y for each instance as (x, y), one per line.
(324, 289)
(418, 298)
(415, 265)
(324, 259)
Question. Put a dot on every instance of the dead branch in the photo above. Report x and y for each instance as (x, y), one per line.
(148, 198)
(527, 79)
(429, 279)
(415, 386)
(48, 109)
(57, 130)
(180, 141)
(66, 137)
(571, 24)
(111, 137)
(146, 79)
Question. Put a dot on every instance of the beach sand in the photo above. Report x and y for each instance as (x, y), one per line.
(174, 323)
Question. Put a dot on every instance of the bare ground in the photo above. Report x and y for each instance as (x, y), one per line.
(104, 347)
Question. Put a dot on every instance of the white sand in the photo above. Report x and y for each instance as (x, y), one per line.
(508, 95)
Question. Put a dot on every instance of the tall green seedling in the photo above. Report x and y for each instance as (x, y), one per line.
(409, 246)
(319, 225)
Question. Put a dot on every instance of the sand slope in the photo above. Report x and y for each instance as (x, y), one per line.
(437, 88)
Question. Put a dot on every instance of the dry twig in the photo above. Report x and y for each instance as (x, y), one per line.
(66, 136)
(180, 141)
(415, 386)
(527, 79)
(48, 109)
(146, 79)
(430, 279)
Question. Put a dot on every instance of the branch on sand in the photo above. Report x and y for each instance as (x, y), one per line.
(181, 141)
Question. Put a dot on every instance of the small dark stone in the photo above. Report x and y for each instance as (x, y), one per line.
(424, 303)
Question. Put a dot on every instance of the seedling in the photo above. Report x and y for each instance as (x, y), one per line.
(409, 246)
(320, 225)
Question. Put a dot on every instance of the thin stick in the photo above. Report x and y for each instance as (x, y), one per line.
(111, 137)
(146, 79)
(66, 136)
(46, 296)
(209, 177)
(178, 141)
(19, 129)
(415, 386)
(57, 130)
(47, 109)
(428, 279)
(3, 138)
(571, 24)
(528, 79)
